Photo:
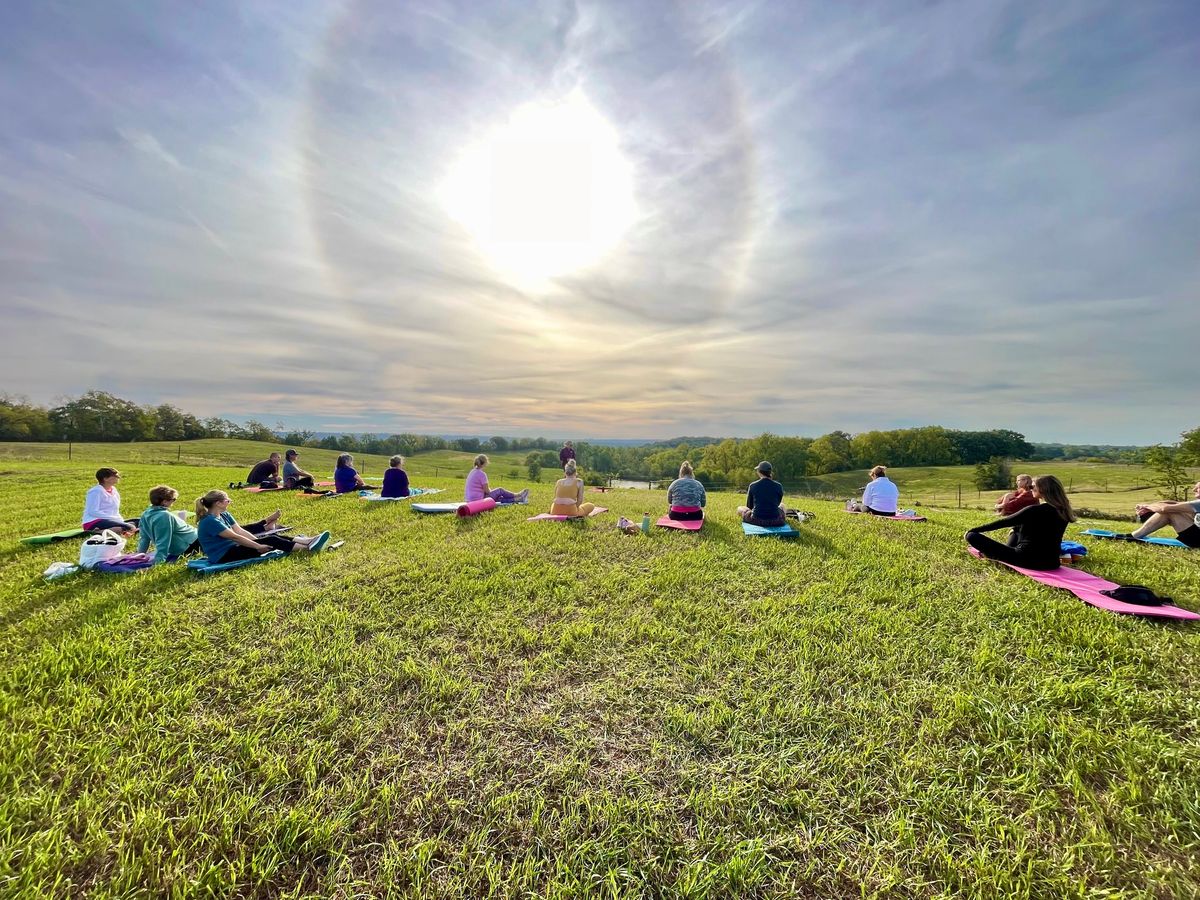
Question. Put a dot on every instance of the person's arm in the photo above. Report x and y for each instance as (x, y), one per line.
(1169, 508)
(1008, 521)
(239, 535)
(703, 496)
(578, 492)
(749, 498)
(868, 495)
(671, 494)
(144, 542)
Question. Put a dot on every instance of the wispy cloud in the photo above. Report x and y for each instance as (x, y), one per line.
(849, 215)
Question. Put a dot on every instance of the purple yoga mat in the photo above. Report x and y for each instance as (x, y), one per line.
(1087, 587)
(681, 524)
(475, 507)
(546, 517)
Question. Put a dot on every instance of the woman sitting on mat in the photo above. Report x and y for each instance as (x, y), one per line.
(102, 505)
(477, 486)
(881, 495)
(395, 479)
(223, 540)
(568, 494)
(1037, 531)
(764, 500)
(346, 477)
(166, 529)
(1015, 501)
(1184, 517)
(686, 497)
(293, 475)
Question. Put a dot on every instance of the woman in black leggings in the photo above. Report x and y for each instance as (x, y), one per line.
(1037, 531)
(223, 540)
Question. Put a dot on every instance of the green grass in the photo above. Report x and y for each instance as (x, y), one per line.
(490, 707)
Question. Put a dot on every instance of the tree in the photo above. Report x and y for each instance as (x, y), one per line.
(99, 416)
(1189, 447)
(830, 453)
(533, 463)
(20, 420)
(993, 475)
(1175, 479)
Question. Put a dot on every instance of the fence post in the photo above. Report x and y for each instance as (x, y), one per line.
(69, 446)
(960, 495)
(179, 452)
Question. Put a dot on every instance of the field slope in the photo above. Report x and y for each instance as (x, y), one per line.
(490, 707)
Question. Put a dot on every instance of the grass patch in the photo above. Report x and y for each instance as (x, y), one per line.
(490, 707)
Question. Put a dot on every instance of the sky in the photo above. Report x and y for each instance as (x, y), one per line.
(618, 219)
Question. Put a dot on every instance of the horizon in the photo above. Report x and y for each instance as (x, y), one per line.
(716, 218)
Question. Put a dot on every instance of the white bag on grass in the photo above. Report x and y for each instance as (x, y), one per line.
(99, 547)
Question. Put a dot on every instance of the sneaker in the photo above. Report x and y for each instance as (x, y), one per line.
(522, 497)
(319, 542)
(1127, 537)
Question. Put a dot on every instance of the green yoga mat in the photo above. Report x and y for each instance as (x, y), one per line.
(57, 536)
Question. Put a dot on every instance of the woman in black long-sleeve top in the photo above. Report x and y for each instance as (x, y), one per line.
(1037, 531)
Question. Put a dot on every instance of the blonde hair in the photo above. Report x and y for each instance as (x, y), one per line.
(396, 461)
(569, 468)
(685, 469)
(1026, 480)
(161, 493)
(481, 460)
(1053, 493)
(204, 504)
(879, 472)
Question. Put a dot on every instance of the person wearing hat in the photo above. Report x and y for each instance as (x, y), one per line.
(293, 475)
(764, 499)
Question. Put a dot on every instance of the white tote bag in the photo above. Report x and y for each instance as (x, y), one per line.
(99, 547)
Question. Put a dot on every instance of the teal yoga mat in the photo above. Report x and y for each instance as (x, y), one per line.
(781, 531)
(1159, 541)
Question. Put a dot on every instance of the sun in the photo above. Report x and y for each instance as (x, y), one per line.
(547, 194)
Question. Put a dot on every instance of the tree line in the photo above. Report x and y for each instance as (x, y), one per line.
(101, 416)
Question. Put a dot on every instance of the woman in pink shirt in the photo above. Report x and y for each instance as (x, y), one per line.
(477, 485)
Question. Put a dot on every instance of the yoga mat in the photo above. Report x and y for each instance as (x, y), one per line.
(681, 524)
(51, 538)
(547, 517)
(436, 507)
(1159, 541)
(782, 531)
(202, 566)
(324, 483)
(1087, 587)
(416, 492)
(475, 507)
(263, 490)
(894, 518)
(325, 496)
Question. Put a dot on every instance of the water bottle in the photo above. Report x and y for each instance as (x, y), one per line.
(645, 523)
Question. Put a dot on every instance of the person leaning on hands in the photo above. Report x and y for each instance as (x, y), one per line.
(166, 529)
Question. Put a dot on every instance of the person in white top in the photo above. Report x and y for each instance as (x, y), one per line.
(102, 505)
(881, 495)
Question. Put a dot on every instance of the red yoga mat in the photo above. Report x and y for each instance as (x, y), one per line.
(681, 524)
(475, 507)
(1087, 587)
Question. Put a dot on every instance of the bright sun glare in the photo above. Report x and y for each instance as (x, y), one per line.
(547, 194)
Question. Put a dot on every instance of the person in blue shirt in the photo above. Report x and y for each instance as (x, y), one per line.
(395, 479)
(223, 540)
(764, 500)
(346, 477)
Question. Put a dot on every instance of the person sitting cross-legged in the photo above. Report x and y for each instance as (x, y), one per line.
(1183, 516)
(764, 500)
(686, 496)
(568, 494)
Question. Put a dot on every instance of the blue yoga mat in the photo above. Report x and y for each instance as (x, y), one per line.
(1160, 541)
(782, 531)
(202, 566)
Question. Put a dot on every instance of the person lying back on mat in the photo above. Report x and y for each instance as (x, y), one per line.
(568, 494)
(395, 479)
(1184, 517)
(102, 505)
(1015, 501)
(1037, 531)
(764, 500)
(265, 474)
(686, 497)
(223, 540)
(293, 475)
(161, 526)
(346, 477)
(881, 495)
(477, 486)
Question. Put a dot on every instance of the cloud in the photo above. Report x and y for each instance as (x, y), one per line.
(850, 216)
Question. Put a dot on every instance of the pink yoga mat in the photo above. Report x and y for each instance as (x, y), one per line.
(681, 524)
(546, 517)
(475, 507)
(1087, 587)
(261, 490)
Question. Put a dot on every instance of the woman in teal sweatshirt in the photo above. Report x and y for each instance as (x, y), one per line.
(171, 535)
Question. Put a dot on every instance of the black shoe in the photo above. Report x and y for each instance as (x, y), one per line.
(1127, 537)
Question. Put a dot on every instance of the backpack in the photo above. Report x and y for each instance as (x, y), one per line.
(99, 547)
(1138, 594)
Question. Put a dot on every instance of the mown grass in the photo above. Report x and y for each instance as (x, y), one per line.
(490, 707)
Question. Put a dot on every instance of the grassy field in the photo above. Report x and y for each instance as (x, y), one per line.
(1109, 487)
(496, 708)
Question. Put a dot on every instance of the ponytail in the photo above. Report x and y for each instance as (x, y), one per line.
(204, 504)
